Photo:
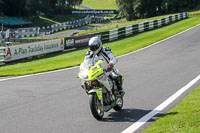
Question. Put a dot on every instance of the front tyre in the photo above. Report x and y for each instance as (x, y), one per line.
(95, 106)
(119, 105)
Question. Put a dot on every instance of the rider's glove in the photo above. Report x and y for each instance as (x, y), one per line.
(109, 67)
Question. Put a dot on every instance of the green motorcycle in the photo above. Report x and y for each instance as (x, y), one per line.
(102, 90)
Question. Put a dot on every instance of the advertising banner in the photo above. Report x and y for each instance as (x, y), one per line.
(88, 11)
(33, 49)
(78, 41)
(2, 53)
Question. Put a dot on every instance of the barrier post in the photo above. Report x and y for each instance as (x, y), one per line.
(146, 26)
(122, 32)
(105, 36)
(135, 29)
(2, 55)
(113, 34)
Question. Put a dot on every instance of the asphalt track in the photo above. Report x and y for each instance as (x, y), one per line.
(55, 103)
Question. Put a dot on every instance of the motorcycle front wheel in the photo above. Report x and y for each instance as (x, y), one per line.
(95, 106)
(119, 105)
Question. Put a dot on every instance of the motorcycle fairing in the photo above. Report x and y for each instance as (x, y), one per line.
(92, 73)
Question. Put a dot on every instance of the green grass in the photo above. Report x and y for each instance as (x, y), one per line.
(68, 17)
(41, 22)
(46, 21)
(74, 58)
(100, 4)
(184, 118)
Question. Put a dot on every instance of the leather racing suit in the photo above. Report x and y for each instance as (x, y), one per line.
(107, 56)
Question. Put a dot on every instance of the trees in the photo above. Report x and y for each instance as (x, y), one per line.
(181, 5)
(149, 8)
(139, 8)
(1, 6)
(34, 7)
(13, 7)
(126, 8)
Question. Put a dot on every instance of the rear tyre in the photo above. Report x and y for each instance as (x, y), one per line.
(95, 106)
(119, 105)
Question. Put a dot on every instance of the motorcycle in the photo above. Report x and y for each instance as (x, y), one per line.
(101, 89)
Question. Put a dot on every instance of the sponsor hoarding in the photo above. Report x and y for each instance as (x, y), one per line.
(88, 11)
(78, 41)
(33, 49)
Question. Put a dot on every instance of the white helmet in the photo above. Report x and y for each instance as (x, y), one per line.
(95, 44)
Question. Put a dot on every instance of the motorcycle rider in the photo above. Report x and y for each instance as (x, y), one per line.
(98, 52)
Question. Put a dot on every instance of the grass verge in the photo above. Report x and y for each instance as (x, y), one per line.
(184, 118)
(100, 4)
(119, 24)
(74, 58)
(47, 21)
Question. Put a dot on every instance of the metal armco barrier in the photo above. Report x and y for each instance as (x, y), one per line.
(2, 56)
(140, 27)
(37, 31)
(66, 25)
(26, 32)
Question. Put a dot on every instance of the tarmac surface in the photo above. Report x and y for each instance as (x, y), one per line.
(55, 102)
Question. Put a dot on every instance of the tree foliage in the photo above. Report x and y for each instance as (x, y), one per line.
(147, 8)
(34, 7)
(126, 8)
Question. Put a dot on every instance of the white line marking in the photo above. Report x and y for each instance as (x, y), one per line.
(25, 76)
(163, 105)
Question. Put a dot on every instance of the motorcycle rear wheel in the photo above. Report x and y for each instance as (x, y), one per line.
(94, 106)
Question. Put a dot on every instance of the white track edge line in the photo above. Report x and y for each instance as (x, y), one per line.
(135, 126)
(25, 76)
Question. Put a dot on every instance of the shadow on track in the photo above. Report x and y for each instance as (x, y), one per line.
(125, 115)
(132, 115)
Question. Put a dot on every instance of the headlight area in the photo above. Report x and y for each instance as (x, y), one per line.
(87, 86)
(93, 83)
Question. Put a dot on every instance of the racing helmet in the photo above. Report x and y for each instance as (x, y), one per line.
(95, 44)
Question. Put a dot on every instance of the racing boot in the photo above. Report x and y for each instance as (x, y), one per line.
(119, 81)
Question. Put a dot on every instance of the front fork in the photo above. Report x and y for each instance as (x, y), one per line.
(100, 95)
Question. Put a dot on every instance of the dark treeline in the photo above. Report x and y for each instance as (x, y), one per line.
(34, 7)
(148, 8)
